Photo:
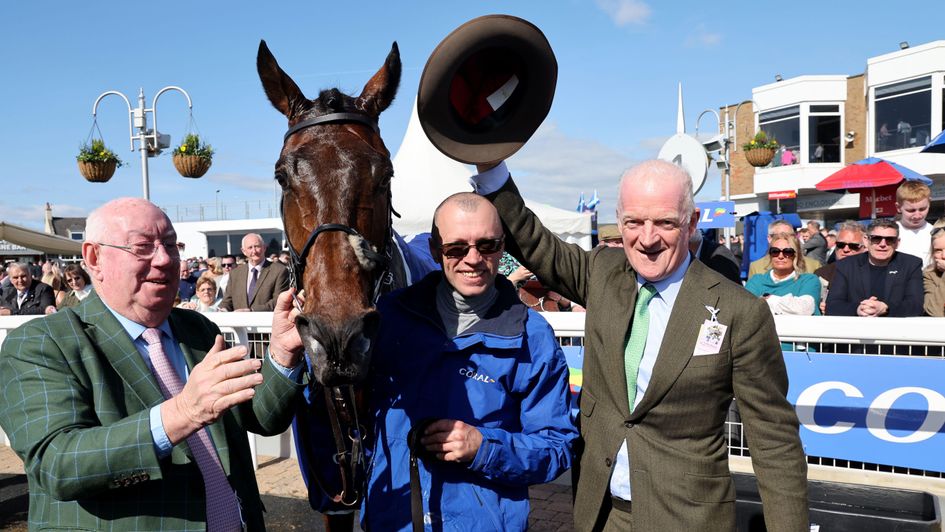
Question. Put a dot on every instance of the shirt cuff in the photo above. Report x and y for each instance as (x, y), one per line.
(491, 180)
(290, 373)
(162, 444)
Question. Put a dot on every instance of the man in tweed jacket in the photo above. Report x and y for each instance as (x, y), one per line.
(102, 447)
(661, 463)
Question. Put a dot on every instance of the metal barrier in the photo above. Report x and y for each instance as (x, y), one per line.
(823, 334)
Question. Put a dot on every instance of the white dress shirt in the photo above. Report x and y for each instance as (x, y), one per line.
(660, 308)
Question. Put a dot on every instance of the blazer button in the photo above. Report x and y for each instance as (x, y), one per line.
(628, 424)
(608, 462)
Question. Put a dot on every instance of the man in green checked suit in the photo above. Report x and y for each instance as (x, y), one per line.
(667, 343)
(106, 446)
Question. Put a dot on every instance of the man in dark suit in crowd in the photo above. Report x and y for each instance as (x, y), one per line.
(130, 414)
(668, 343)
(25, 295)
(256, 284)
(715, 256)
(881, 282)
(850, 241)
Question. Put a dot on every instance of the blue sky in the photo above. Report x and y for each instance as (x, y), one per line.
(619, 64)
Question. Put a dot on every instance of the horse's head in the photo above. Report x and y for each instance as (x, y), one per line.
(335, 175)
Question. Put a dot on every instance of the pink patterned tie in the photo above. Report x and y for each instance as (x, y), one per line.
(223, 511)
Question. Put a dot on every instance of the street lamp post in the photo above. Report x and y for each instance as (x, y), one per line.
(150, 141)
(720, 143)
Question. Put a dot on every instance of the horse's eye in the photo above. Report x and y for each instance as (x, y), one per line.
(280, 178)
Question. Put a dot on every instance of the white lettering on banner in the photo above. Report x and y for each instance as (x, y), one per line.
(807, 402)
(934, 421)
(876, 415)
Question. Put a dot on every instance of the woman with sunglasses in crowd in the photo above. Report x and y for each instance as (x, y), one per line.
(787, 287)
(933, 277)
(80, 284)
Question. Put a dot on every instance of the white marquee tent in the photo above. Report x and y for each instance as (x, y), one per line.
(423, 177)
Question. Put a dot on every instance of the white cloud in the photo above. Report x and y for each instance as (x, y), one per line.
(625, 12)
(554, 169)
(33, 216)
(701, 37)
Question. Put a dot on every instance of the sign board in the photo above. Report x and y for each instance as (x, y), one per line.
(877, 409)
(716, 214)
(782, 194)
(689, 154)
(885, 202)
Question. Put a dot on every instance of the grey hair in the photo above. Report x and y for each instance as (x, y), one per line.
(22, 266)
(851, 225)
(657, 168)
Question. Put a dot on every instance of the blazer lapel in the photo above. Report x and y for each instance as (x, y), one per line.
(679, 338)
(892, 280)
(192, 356)
(115, 344)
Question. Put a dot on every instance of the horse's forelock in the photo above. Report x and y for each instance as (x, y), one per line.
(334, 101)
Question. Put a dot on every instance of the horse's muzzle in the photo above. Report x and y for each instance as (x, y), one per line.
(339, 354)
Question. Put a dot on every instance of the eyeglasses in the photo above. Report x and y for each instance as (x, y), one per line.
(458, 250)
(852, 245)
(788, 252)
(227, 265)
(937, 230)
(147, 250)
(890, 240)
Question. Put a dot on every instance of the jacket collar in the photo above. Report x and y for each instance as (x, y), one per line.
(505, 318)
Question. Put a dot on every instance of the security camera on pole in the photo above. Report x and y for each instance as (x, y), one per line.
(150, 141)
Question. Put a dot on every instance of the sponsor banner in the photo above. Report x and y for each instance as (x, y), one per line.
(782, 194)
(870, 408)
(715, 214)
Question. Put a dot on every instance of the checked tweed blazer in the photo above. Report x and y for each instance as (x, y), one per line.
(680, 478)
(74, 401)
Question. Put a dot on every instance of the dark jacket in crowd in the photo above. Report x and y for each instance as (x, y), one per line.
(38, 296)
(902, 290)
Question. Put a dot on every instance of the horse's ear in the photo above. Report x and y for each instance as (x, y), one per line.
(379, 92)
(284, 94)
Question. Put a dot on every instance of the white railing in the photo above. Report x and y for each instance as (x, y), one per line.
(825, 334)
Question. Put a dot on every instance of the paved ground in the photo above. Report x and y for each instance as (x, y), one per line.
(284, 495)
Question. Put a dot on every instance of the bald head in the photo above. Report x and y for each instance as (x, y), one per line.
(466, 202)
(657, 174)
(113, 216)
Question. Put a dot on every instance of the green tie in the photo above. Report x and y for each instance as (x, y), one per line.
(636, 342)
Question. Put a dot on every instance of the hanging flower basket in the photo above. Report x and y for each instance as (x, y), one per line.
(191, 165)
(193, 157)
(97, 171)
(97, 163)
(759, 157)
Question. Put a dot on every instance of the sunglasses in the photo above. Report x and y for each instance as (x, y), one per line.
(227, 264)
(890, 240)
(458, 250)
(788, 252)
(852, 245)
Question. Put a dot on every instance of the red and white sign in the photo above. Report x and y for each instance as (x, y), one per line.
(885, 202)
(782, 194)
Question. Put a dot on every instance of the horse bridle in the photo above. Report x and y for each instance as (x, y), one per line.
(340, 401)
(297, 262)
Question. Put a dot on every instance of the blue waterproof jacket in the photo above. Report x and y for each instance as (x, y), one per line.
(506, 376)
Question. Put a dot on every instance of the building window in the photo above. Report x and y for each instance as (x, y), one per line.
(823, 134)
(903, 113)
(784, 125)
(77, 235)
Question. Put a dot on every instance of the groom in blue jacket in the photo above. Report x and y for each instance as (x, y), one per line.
(481, 375)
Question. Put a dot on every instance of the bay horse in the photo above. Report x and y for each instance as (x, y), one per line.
(335, 174)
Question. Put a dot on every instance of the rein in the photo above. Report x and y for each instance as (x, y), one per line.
(340, 401)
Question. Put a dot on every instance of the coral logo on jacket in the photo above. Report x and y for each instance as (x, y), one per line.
(476, 376)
